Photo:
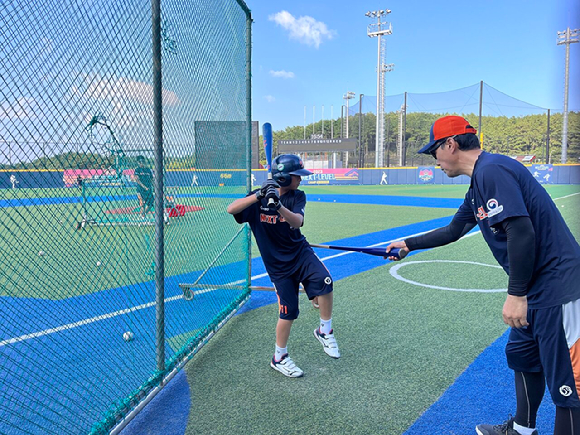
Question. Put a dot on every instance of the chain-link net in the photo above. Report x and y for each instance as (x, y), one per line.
(77, 216)
(508, 125)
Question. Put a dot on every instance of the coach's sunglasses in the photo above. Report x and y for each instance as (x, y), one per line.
(441, 142)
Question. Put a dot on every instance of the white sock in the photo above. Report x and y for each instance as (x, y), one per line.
(280, 352)
(325, 326)
(522, 430)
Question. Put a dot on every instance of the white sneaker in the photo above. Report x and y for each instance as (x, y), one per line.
(328, 342)
(287, 367)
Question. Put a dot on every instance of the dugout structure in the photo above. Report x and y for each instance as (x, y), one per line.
(94, 321)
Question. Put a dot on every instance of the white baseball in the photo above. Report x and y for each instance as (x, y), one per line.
(128, 336)
(98, 263)
(41, 253)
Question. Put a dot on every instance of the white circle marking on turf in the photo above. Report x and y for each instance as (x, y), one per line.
(394, 272)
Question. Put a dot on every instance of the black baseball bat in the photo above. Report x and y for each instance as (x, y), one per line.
(379, 252)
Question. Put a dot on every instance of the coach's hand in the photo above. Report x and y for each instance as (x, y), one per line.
(272, 193)
(402, 253)
(515, 310)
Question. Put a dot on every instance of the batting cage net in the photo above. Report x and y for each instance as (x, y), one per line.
(102, 300)
(508, 125)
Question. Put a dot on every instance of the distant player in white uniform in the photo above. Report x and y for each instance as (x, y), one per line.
(194, 180)
(13, 181)
(384, 178)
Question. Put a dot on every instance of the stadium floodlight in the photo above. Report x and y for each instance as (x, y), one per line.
(566, 38)
(379, 29)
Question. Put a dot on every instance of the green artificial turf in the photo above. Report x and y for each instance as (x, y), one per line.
(421, 190)
(402, 345)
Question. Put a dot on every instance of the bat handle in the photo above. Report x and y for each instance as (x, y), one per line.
(271, 203)
(394, 253)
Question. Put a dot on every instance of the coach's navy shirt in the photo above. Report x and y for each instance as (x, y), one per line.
(281, 245)
(502, 187)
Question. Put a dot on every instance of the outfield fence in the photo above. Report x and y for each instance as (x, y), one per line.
(92, 256)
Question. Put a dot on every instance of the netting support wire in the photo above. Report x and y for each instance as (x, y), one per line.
(123, 423)
(219, 255)
(159, 194)
(249, 133)
(209, 287)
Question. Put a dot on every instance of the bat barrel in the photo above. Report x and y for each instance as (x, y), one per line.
(267, 135)
(379, 252)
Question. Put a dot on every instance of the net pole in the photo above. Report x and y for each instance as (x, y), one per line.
(548, 139)
(249, 134)
(480, 111)
(404, 140)
(159, 215)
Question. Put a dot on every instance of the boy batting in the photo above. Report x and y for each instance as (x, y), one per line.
(288, 257)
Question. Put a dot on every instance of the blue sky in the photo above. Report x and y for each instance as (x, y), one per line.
(310, 52)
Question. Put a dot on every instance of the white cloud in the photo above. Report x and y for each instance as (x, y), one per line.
(283, 74)
(269, 98)
(122, 88)
(23, 108)
(304, 29)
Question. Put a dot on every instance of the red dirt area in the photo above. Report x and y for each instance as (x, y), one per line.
(177, 210)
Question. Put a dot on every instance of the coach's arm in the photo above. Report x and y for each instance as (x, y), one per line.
(439, 237)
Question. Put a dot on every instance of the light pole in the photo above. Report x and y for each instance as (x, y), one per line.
(349, 95)
(379, 29)
(566, 37)
(380, 152)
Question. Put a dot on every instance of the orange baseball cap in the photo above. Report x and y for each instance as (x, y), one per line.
(445, 127)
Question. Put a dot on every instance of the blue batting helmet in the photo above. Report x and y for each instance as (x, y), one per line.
(286, 165)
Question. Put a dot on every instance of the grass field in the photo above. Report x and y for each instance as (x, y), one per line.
(402, 344)
(55, 260)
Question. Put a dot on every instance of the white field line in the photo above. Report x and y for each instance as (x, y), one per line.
(567, 196)
(174, 298)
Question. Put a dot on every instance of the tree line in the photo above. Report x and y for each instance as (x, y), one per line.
(525, 135)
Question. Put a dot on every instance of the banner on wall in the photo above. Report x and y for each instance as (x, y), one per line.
(103, 177)
(332, 176)
(426, 175)
(543, 173)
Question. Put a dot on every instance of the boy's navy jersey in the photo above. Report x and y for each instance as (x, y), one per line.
(145, 176)
(281, 246)
(502, 187)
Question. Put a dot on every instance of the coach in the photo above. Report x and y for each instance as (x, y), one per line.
(530, 240)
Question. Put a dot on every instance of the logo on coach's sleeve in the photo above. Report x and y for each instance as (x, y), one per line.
(493, 207)
(565, 390)
(327, 280)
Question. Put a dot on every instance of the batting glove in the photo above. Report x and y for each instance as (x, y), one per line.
(272, 193)
(265, 185)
